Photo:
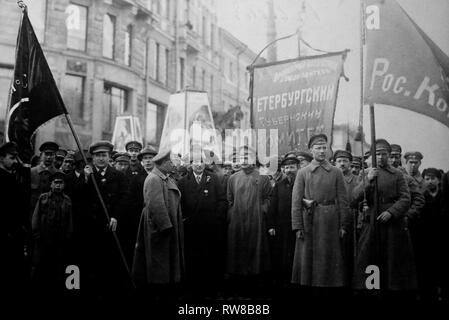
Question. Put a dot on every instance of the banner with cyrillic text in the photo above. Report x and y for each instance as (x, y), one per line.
(297, 97)
(404, 67)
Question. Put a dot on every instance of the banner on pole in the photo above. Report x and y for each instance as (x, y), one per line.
(297, 97)
(126, 128)
(404, 67)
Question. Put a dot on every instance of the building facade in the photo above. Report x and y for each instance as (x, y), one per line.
(123, 57)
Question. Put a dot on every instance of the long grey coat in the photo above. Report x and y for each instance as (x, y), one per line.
(391, 250)
(159, 252)
(318, 259)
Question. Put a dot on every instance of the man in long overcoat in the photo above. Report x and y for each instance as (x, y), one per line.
(159, 252)
(386, 243)
(203, 206)
(247, 252)
(280, 221)
(321, 220)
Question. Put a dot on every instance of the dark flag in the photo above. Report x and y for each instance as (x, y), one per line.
(34, 97)
(348, 143)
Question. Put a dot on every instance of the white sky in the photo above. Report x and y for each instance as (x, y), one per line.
(333, 25)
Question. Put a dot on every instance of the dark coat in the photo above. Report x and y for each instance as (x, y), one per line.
(319, 259)
(203, 207)
(247, 237)
(14, 199)
(280, 219)
(159, 253)
(129, 220)
(100, 251)
(394, 254)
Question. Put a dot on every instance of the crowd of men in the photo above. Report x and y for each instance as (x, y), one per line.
(162, 221)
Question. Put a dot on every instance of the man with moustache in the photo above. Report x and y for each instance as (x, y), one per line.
(248, 197)
(203, 205)
(356, 165)
(412, 163)
(320, 219)
(280, 222)
(101, 255)
(122, 162)
(386, 243)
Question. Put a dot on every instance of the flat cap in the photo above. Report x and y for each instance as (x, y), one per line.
(413, 155)
(342, 154)
(319, 138)
(49, 146)
(431, 172)
(9, 148)
(101, 146)
(133, 144)
(382, 144)
(147, 150)
(122, 156)
(70, 157)
(395, 148)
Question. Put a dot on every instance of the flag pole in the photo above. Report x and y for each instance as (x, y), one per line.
(97, 190)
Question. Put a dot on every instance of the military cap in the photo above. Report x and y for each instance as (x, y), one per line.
(342, 154)
(357, 160)
(57, 175)
(382, 144)
(147, 150)
(101, 146)
(367, 155)
(49, 146)
(291, 153)
(61, 153)
(395, 148)
(307, 155)
(413, 155)
(122, 156)
(113, 153)
(432, 172)
(133, 144)
(9, 148)
(319, 138)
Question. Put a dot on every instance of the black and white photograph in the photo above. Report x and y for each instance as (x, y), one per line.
(212, 159)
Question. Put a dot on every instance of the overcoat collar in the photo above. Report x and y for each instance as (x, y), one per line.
(325, 165)
(159, 173)
(389, 169)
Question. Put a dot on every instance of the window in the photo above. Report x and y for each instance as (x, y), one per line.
(76, 23)
(203, 80)
(158, 61)
(115, 103)
(212, 35)
(167, 64)
(181, 73)
(211, 89)
(128, 44)
(153, 59)
(108, 36)
(194, 76)
(37, 12)
(231, 71)
(154, 123)
(204, 30)
(73, 95)
(145, 56)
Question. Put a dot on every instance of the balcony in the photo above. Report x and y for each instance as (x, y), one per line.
(189, 39)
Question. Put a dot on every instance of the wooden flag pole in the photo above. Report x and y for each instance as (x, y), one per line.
(97, 190)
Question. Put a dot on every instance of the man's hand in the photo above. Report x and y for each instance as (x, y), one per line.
(342, 233)
(372, 173)
(113, 224)
(272, 232)
(300, 234)
(384, 216)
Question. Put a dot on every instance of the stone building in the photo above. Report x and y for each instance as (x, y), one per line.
(123, 57)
